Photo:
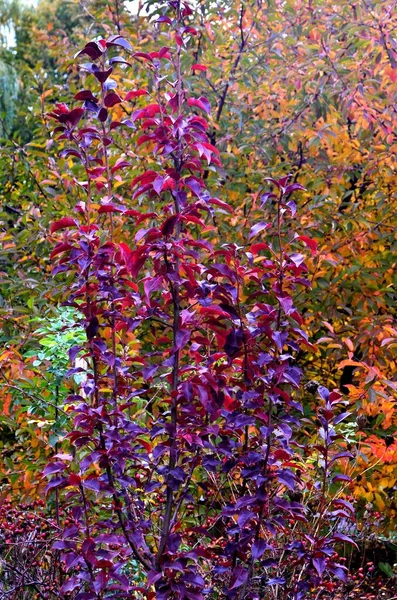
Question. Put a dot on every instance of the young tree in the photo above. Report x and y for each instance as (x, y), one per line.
(187, 471)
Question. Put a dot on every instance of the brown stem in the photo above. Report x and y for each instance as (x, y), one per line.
(167, 522)
(145, 562)
(236, 63)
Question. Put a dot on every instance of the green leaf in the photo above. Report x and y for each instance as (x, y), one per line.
(386, 568)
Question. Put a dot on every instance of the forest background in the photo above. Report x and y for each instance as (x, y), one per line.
(305, 89)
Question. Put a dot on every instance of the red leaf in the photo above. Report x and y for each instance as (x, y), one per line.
(143, 55)
(74, 116)
(133, 260)
(168, 226)
(95, 173)
(102, 76)
(103, 115)
(109, 208)
(189, 29)
(164, 52)
(139, 217)
(74, 479)
(312, 244)
(143, 139)
(221, 204)
(255, 248)
(63, 224)
(146, 113)
(193, 219)
(146, 177)
(60, 248)
(112, 99)
(198, 67)
(201, 102)
(85, 95)
(93, 49)
(119, 164)
(134, 94)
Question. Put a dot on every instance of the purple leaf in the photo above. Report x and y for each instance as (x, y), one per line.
(297, 258)
(119, 60)
(340, 417)
(276, 581)
(173, 542)
(158, 184)
(181, 339)
(338, 572)
(293, 187)
(92, 484)
(323, 392)
(118, 40)
(152, 284)
(257, 229)
(224, 270)
(55, 467)
(56, 482)
(319, 565)
(287, 304)
(259, 547)
(164, 19)
(341, 477)
(238, 578)
(341, 537)
(279, 338)
(70, 584)
(153, 576)
(287, 477)
(234, 341)
(345, 504)
(193, 185)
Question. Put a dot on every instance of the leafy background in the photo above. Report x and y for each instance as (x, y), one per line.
(306, 88)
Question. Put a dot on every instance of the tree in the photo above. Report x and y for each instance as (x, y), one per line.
(196, 433)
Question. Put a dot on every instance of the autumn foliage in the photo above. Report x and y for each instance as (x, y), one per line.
(217, 406)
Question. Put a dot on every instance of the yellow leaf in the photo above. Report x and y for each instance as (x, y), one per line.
(379, 502)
